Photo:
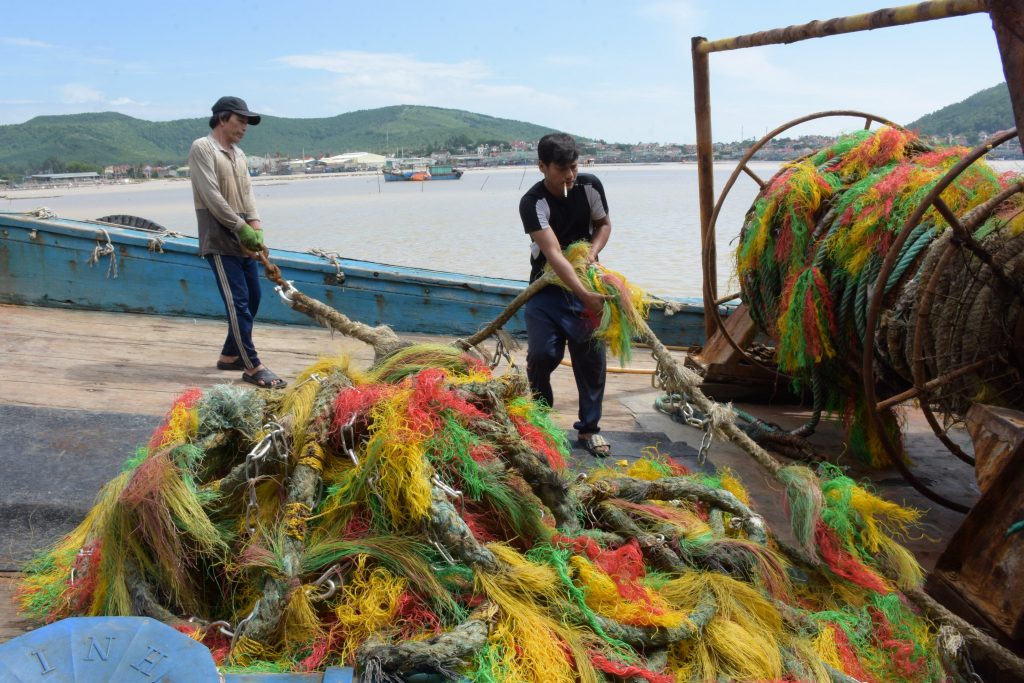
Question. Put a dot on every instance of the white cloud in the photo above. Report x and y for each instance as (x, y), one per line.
(367, 79)
(752, 67)
(390, 72)
(79, 93)
(127, 102)
(24, 42)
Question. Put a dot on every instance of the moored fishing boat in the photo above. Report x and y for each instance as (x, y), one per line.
(435, 172)
(97, 265)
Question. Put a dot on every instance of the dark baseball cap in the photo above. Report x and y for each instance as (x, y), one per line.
(236, 105)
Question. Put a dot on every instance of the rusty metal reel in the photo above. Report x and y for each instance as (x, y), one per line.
(924, 387)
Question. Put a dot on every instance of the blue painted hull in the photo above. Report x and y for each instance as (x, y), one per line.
(47, 263)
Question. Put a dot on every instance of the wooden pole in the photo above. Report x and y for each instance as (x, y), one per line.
(706, 181)
(883, 18)
(1008, 24)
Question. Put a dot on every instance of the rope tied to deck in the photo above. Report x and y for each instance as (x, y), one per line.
(101, 250)
(42, 213)
(333, 258)
(156, 243)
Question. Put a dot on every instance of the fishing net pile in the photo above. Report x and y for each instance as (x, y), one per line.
(420, 516)
(810, 255)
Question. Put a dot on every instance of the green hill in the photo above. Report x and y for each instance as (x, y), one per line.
(85, 141)
(981, 114)
(109, 138)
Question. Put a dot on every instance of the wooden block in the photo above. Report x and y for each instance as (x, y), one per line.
(996, 432)
(728, 375)
(740, 327)
(981, 573)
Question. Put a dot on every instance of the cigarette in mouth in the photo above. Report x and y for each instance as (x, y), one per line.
(565, 190)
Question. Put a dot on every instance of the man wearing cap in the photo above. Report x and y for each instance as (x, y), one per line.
(230, 233)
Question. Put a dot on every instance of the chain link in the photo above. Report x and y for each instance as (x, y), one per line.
(348, 439)
(500, 353)
(450, 492)
(679, 406)
(705, 445)
(443, 552)
(273, 440)
(82, 554)
(332, 587)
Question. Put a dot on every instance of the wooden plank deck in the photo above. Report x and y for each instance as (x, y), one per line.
(137, 364)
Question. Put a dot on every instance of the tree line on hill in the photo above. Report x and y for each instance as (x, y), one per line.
(90, 142)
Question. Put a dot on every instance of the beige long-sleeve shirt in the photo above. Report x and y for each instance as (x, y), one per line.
(222, 193)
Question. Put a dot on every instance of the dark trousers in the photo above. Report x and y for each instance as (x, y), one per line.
(554, 319)
(238, 280)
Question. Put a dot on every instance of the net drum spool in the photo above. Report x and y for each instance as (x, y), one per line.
(907, 255)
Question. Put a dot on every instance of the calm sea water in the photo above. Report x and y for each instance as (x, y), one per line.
(469, 225)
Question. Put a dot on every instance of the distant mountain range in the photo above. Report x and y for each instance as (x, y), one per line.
(109, 138)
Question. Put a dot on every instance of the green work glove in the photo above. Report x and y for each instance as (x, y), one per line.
(251, 239)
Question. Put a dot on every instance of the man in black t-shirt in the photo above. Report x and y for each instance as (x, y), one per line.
(563, 208)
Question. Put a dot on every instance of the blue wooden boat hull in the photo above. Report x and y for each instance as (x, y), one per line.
(61, 262)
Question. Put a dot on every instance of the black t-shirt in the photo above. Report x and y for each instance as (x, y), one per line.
(572, 218)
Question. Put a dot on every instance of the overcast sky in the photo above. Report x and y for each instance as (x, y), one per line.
(617, 70)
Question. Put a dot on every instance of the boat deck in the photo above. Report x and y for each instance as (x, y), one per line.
(82, 389)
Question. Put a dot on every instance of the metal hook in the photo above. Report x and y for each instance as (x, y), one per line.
(332, 588)
(444, 552)
(315, 377)
(283, 292)
(452, 492)
(223, 627)
(243, 622)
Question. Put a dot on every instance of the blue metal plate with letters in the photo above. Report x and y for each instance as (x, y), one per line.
(101, 649)
(125, 650)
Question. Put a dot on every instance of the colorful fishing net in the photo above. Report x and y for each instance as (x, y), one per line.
(626, 306)
(812, 247)
(422, 516)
